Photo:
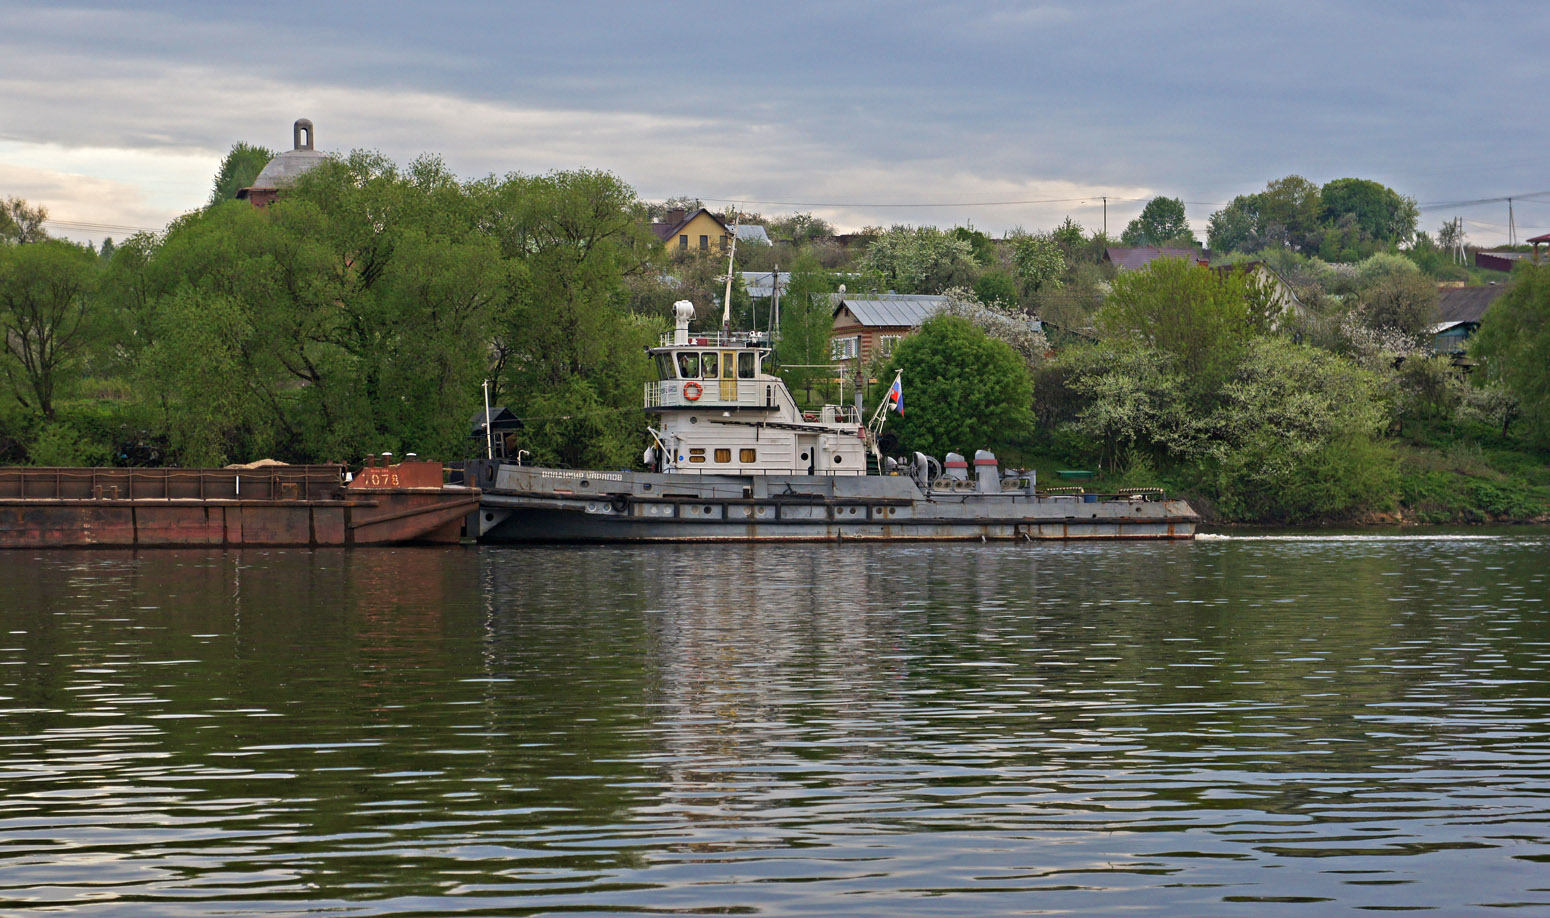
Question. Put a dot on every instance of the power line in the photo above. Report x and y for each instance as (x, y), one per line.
(81, 225)
(915, 204)
(1478, 201)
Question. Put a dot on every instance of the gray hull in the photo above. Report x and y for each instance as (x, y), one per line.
(532, 504)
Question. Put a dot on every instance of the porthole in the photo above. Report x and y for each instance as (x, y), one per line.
(804, 457)
(838, 459)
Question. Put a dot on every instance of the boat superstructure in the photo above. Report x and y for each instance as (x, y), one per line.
(733, 457)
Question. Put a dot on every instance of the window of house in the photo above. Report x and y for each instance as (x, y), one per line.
(683, 243)
(747, 456)
(697, 454)
(704, 243)
(845, 348)
(886, 344)
(723, 455)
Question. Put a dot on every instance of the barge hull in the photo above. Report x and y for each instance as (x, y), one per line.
(302, 506)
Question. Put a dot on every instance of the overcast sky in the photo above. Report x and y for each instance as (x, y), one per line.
(866, 113)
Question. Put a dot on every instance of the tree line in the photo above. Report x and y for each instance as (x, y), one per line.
(363, 311)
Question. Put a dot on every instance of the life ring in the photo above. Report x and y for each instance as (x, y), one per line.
(693, 396)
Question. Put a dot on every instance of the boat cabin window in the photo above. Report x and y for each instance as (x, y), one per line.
(665, 366)
(708, 364)
(723, 455)
(688, 364)
(745, 364)
(728, 365)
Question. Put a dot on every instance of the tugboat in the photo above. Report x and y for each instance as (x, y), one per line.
(734, 458)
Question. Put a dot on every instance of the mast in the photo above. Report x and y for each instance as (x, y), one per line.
(726, 303)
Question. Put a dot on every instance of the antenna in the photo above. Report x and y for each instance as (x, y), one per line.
(726, 303)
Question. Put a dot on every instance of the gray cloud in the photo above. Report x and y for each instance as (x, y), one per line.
(835, 104)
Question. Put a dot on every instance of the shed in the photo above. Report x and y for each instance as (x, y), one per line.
(1459, 312)
(505, 427)
(867, 326)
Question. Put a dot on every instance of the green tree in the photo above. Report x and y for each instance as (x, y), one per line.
(46, 316)
(923, 259)
(1286, 214)
(1404, 303)
(21, 222)
(1295, 435)
(799, 229)
(568, 349)
(1380, 213)
(1129, 398)
(1199, 316)
(1162, 222)
(997, 287)
(238, 170)
(1038, 261)
(1514, 344)
(806, 320)
(981, 247)
(963, 390)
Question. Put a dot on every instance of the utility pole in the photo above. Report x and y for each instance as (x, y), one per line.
(1512, 228)
(775, 308)
(1105, 216)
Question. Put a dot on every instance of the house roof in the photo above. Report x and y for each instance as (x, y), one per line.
(752, 232)
(666, 231)
(1466, 304)
(1133, 257)
(1538, 239)
(890, 310)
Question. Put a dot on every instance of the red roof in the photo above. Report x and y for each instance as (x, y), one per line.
(1131, 258)
(1538, 239)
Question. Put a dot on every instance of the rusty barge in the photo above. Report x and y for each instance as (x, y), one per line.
(275, 506)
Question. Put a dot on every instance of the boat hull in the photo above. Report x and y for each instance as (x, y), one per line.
(531, 505)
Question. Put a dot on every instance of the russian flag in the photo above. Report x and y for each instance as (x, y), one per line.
(896, 395)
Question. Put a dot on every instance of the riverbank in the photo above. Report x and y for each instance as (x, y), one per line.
(1437, 477)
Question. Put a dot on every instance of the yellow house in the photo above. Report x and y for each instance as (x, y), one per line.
(701, 231)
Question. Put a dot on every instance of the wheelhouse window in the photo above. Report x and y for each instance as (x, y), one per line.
(708, 364)
(689, 364)
(665, 366)
(745, 364)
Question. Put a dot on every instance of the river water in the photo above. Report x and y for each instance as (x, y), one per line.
(1279, 725)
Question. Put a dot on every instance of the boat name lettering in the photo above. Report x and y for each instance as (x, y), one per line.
(600, 476)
